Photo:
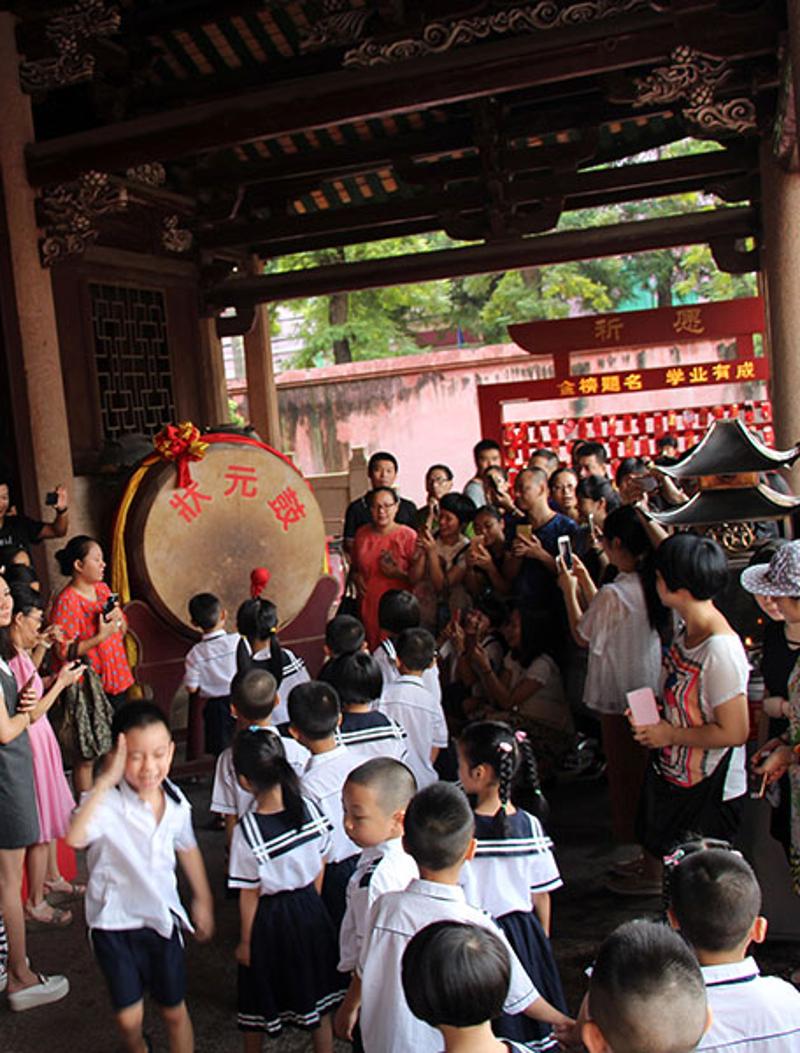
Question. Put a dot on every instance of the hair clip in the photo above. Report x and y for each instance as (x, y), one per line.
(521, 736)
(505, 747)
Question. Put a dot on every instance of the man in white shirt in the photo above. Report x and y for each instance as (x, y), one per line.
(210, 665)
(134, 823)
(715, 901)
(408, 701)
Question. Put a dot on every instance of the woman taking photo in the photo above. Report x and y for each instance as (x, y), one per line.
(19, 825)
(696, 781)
(54, 801)
(382, 554)
(439, 564)
(619, 625)
(93, 628)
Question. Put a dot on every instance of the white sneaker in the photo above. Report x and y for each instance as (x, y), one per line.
(49, 989)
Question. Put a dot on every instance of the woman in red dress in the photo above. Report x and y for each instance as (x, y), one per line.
(382, 555)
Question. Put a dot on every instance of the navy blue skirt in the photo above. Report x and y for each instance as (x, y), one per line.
(524, 932)
(292, 977)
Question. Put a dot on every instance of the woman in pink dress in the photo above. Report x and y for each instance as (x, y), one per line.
(382, 555)
(54, 800)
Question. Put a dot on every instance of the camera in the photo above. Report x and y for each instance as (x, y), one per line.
(51, 498)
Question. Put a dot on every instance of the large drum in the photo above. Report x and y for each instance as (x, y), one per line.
(245, 506)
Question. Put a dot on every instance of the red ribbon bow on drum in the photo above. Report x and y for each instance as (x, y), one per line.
(259, 579)
(182, 444)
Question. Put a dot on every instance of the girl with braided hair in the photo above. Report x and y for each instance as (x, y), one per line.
(513, 870)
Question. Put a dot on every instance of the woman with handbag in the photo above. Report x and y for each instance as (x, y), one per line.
(19, 826)
(94, 629)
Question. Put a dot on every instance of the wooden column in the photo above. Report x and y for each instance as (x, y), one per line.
(28, 312)
(781, 262)
(793, 14)
(262, 395)
(212, 371)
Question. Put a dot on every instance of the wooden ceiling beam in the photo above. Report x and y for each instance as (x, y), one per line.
(348, 95)
(651, 179)
(619, 239)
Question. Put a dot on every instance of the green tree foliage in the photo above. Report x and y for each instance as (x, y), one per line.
(377, 323)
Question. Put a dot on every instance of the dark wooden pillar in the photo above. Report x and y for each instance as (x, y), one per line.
(262, 396)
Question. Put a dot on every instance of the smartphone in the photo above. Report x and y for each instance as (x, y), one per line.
(110, 604)
(51, 498)
(590, 518)
(565, 551)
(524, 530)
(643, 706)
(648, 484)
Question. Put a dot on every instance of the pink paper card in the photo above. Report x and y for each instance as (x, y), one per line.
(642, 704)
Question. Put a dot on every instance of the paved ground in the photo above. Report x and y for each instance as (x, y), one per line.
(583, 914)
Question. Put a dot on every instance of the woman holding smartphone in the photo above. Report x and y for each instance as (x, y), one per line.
(19, 824)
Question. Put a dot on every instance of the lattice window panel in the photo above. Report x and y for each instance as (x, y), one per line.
(132, 357)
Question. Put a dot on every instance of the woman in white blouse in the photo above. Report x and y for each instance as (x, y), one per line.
(620, 625)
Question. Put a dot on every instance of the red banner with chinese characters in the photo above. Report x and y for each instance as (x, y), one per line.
(662, 325)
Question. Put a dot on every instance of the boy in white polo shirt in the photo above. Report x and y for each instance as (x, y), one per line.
(134, 822)
(314, 716)
(439, 828)
(715, 902)
(408, 701)
(210, 666)
(398, 610)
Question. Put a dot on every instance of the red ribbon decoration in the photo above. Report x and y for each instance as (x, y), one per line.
(259, 579)
(182, 444)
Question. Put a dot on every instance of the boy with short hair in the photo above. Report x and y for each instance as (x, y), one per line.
(254, 696)
(359, 684)
(716, 905)
(314, 717)
(645, 993)
(375, 797)
(398, 610)
(344, 634)
(439, 828)
(408, 701)
(210, 666)
(134, 823)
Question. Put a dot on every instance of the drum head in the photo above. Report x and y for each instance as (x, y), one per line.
(246, 507)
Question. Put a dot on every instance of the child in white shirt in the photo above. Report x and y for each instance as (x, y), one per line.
(314, 716)
(375, 798)
(715, 902)
(210, 666)
(408, 701)
(439, 836)
(359, 684)
(134, 823)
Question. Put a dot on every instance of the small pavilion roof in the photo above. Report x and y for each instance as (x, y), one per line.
(728, 448)
(734, 505)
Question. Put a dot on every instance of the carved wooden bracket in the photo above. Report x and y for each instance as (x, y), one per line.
(68, 33)
(175, 238)
(696, 78)
(732, 258)
(69, 212)
(785, 143)
(442, 36)
(239, 324)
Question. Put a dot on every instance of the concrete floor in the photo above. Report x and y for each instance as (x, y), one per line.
(583, 914)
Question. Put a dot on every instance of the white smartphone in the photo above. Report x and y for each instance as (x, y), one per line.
(642, 704)
(565, 550)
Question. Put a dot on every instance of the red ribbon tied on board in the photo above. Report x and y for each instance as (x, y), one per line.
(182, 444)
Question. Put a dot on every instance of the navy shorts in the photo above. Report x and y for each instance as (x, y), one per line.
(137, 960)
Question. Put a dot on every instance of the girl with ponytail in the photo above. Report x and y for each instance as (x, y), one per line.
(513, 870)
(288, 948)
(260, 648)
